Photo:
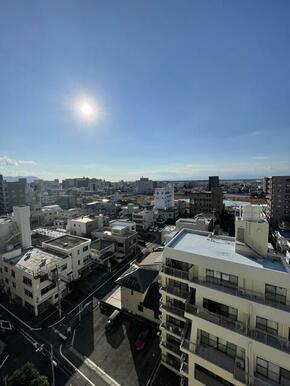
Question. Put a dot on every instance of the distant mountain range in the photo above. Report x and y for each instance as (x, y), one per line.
(16, 178)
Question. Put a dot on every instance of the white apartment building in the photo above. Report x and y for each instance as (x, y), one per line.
(84, 225)
(78, 248)
(164, 198)
(143, 219)
(30, 277)
(226, 307)
(50, 213)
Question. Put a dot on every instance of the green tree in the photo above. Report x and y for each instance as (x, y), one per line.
(27, 375)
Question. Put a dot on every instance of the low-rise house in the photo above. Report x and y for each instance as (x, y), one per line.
(103, 252)
(140, 288)
(50, 213)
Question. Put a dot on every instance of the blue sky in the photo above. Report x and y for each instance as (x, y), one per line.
(185, 88)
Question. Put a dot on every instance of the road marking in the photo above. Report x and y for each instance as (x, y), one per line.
(74, 367)
(73, 337)
(2, 364)
(19, 320)
(92, 365)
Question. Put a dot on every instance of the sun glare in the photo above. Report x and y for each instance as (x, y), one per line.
(87, 109)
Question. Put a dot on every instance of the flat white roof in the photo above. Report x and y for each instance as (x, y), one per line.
(218, 248)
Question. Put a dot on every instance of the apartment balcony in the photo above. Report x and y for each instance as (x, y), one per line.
(259, 380)
(184, 364)
(173, 362)
(172, 347)
(180, 274)
(277, 342)
(173, 309)
(219, 358)
(256, 297)
(187, 345)
(175, 291)
(172, 328)
(184, 381)
(220, 320)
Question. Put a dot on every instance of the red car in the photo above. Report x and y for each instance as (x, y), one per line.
(142, 338)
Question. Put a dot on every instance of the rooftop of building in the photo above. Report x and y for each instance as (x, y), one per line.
(221, 248)
(52, 233)
(137, 278)
(154, 258)
(35, 260)
(67, 241)
(100, 244)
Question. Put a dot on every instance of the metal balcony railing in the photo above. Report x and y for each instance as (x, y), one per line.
(277, 342)
(172, 347)
(256, 297)
(170, 361)
(186, 344)
(220, 320)
(172, 328)
(173, 309)
(175, 272)
(175, 291)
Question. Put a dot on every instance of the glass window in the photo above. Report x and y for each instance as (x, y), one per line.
(266, 325)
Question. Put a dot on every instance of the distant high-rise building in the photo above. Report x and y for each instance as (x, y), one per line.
(17, 193)
(144, 186)
(213, 182)
(277, 189)
(164, 198)
(208, 201)
(3, 196)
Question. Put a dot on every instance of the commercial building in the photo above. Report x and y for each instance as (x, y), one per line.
(277, 189)
(143, 219)
(164, 198)
(213, 182)
(206, 202)
(17, 193)
(84, 225)
(226, 307)
(3, 196)
(144, 186)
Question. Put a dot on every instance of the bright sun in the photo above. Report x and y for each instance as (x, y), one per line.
(87, 109)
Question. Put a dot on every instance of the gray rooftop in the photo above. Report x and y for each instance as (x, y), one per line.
(67, 241)
(201, 244)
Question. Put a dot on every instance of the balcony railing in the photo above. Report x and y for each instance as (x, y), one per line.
(184, 367)
(172, 328)
(175, 272)
(175, 291)
(203, 313)
(259, 380)
(186, 344)
(256, 297)
(219, 358)
(170, 361)
(172, 347)
(271, 340)
(173, 309)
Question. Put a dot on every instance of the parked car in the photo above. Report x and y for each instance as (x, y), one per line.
(142, 339)
(112, 320)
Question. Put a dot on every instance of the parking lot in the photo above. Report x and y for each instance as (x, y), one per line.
(115, 352)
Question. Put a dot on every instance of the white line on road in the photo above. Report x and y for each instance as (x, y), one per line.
(73, 337)
(2, 364)
(74, 367)
(19, 320)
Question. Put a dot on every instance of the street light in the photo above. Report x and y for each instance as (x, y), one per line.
(53, 363)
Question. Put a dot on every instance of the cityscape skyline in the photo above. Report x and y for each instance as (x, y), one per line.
(175, 99)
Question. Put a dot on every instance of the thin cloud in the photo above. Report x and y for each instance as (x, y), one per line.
(261, 157)
(6, 162)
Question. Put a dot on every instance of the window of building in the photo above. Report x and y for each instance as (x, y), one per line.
(78, 251)
(79, 262)
(275, 294)
(219, 344)
(132, 292)
(140, 308)
(28, 293)
(86, 248)
(221, 309)
(27, 281)
(220, 278)
(63, 268)
(267, 325)
(5, 269)
(47, 288)
(13, 284)
(43, 278)
(6, 281)
(13, 273)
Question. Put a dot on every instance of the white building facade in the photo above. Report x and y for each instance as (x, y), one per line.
(226, 307)
(164, 198)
